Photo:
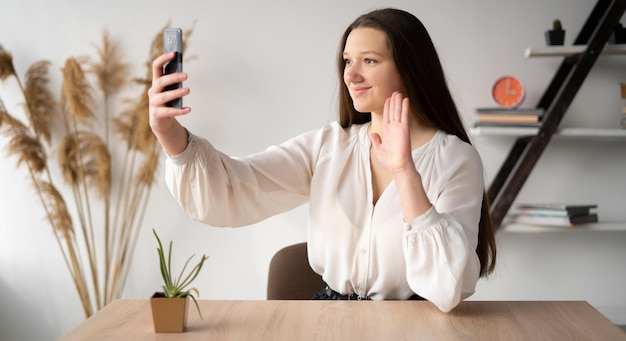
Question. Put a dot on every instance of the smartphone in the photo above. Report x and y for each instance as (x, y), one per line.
(173, 41)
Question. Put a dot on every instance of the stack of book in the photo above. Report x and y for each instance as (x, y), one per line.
(558, 215)
(500, 117)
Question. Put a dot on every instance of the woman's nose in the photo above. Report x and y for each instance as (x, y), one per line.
(352, 75)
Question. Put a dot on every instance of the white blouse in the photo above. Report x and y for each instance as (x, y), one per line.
(357, 247)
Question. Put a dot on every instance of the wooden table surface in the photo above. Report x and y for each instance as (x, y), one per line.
(357, 320)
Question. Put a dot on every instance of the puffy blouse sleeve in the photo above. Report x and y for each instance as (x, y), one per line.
(440, 245)
(220, 190)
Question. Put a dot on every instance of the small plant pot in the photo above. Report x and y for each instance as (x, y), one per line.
(618, 36)
(169, 315)
(554, 38)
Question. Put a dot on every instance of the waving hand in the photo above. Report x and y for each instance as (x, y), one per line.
(393, 148)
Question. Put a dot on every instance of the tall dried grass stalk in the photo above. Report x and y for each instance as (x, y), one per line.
(41, 104)
(76, 92)
(6, 64)
(99, 272)
(3, 112)
(27, 146)
(111, 74)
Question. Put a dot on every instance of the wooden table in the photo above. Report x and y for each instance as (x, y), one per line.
(357, 320)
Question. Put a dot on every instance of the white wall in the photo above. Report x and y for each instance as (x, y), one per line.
(264, 71)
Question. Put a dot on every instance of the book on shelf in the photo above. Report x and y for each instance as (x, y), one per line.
(623, 95)
(507, 111)
(553, 220)
(509, 117)
(553, 214)
(555, 208)
(507, 124)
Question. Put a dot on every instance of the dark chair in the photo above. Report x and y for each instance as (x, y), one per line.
(290, 276)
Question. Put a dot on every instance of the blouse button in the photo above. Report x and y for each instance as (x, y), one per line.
(409, 228)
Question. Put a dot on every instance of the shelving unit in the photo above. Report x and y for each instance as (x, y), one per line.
(582, 133)
(595, 227)
(566, 51)
(578, 134)
(530, 143)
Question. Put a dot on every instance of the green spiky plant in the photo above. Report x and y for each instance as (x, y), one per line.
(177, 287)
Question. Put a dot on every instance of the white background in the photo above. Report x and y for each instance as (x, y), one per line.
(263, 72)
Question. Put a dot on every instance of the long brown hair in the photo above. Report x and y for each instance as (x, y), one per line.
(425, 84)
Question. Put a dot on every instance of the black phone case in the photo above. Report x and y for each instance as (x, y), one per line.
(173, 41)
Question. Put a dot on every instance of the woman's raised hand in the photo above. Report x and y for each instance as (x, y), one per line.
(171, 135)
(161, 115)
(393, 148)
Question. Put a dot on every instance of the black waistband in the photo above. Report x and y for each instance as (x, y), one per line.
(330, 294)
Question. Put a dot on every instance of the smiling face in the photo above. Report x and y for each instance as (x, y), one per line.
(370, 72)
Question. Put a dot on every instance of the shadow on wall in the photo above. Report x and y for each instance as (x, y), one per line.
(18, 321)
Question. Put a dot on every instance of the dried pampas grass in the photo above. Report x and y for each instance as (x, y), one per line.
(3, 112)
(62, 221)
(42, 107)
(6, 64)
(76, 97)
(83, 156)
(26, 147)
(86, 163)
(110, 71)
(146, 174)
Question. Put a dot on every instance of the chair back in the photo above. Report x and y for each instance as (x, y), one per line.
(290, 276)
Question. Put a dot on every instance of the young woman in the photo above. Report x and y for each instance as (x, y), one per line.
(395, 189)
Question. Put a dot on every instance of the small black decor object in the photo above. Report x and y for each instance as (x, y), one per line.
(555, 36)
(619, 35)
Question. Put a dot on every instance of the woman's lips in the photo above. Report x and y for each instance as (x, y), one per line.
(357, 91)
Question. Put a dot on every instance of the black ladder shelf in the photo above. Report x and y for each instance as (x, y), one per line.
(555, 101)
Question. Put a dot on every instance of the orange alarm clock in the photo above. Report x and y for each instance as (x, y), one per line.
(508, 92)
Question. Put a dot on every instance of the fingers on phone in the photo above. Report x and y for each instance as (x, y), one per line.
(159, 62)
(174, 94)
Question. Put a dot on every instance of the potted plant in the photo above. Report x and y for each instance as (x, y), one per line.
(169, 307)
(618, 36)
(555, 36)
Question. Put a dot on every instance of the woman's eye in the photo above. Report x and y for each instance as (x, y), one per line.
(369, 61)
(346, 61)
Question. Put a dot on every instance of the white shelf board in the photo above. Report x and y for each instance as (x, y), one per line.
(564, 132)
(595, 227)
(562, 51)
